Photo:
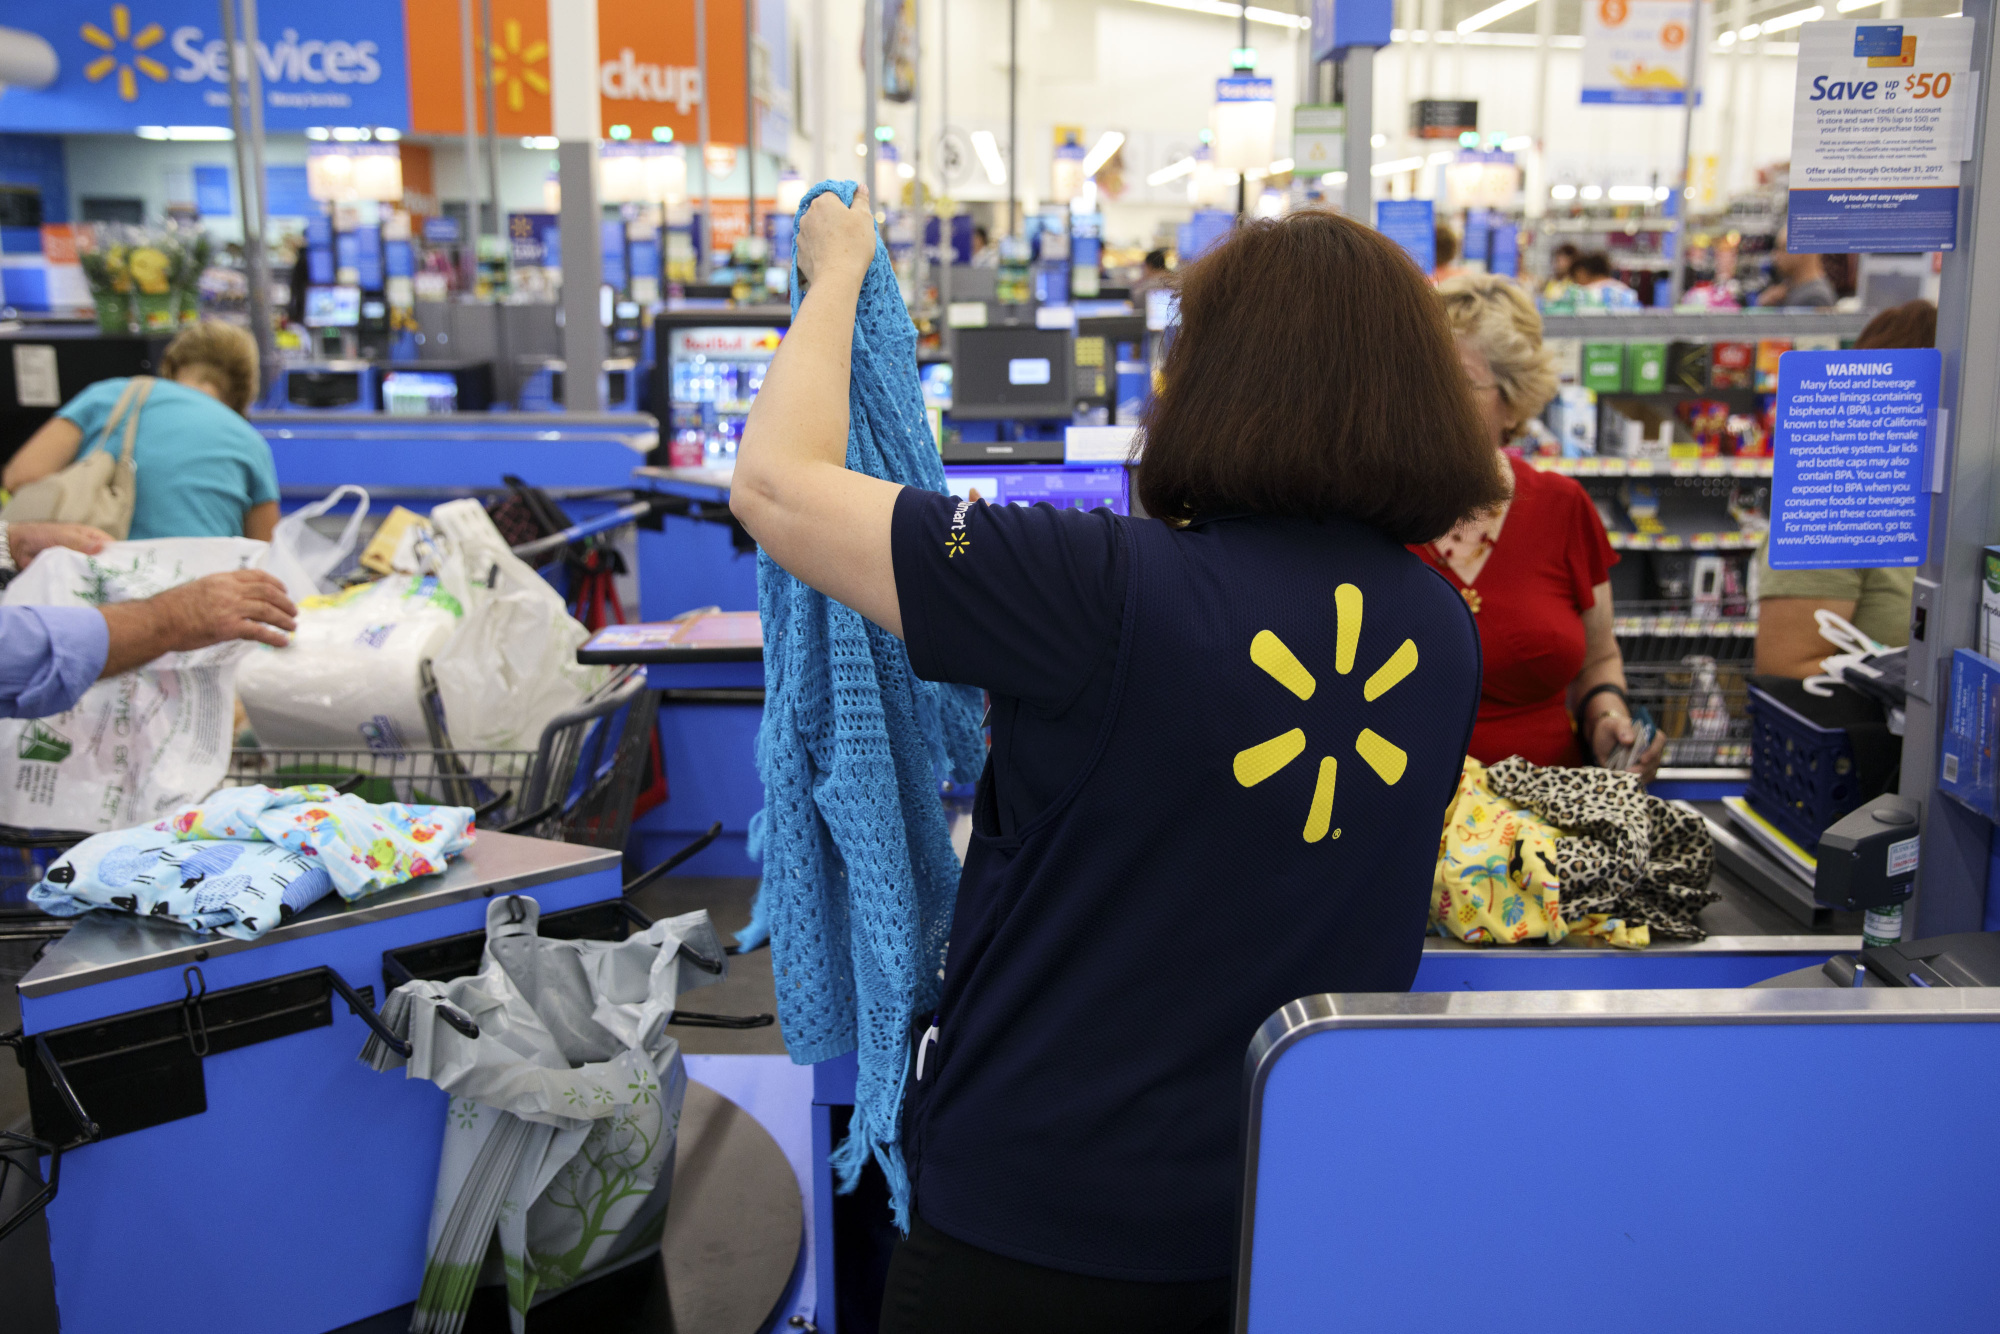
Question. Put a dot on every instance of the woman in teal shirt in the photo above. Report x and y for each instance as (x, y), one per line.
(203, 470)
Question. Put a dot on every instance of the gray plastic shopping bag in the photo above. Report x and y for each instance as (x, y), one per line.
(559, 1137)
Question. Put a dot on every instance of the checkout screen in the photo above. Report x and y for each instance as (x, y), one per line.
(1062, 486)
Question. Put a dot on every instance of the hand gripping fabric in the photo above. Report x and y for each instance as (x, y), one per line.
(859, 874)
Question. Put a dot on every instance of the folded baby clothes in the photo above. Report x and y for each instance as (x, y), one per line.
(250, 858)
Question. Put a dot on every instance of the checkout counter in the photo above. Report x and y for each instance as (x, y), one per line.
(274, 1184)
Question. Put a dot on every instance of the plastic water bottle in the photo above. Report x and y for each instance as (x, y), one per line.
(1882, 926)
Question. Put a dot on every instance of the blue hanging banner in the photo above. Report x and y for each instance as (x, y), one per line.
(164, 62)
(1855, 437)
(611, 233)
(1411, 224)
(1504, 252)
(399, 259)
(286, 193)
(368, 258)
(212, 196)
(319, 250)
(1478, 235)
(439, 230)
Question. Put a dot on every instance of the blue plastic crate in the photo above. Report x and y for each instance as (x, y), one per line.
(1802, 775)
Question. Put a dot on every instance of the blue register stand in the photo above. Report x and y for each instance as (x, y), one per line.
(300, 1199)
(1653, 1162)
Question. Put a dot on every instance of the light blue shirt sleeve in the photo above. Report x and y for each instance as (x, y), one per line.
(48, 657)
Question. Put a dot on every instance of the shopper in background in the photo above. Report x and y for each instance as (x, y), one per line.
(1590, 274)
(1560, 260)
(1444, 261)
(203, 470)
(1536, 573)
(1799, 280)
(1153, 274)
(1875, 602)
(984, 254)
(1171, 707)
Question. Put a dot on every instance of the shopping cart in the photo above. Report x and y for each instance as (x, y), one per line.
(576, 786)
(1699, 703)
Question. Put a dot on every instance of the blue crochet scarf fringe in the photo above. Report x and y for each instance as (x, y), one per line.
(859, 872)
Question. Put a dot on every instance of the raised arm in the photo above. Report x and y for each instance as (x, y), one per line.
(792, 490)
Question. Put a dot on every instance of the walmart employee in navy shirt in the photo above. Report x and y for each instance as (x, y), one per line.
(1224, 739)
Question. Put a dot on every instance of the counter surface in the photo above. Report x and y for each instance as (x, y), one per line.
(103, 946)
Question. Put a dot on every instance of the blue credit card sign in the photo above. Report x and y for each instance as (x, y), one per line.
(1855, 434)
(1878, 40)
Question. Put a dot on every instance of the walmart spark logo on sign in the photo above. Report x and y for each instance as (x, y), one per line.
(1388, 760)
(124, 52)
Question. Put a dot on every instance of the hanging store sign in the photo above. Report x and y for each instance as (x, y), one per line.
(1411, 224)
(1882, 117)
(1319, 138)
(1434, 119)
(650, 78)
(1855, 438)
(1637, 52)
(164, 62)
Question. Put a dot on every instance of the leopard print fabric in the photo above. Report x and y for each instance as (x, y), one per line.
(1628, 854)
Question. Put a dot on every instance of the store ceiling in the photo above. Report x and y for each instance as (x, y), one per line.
(1569, 13)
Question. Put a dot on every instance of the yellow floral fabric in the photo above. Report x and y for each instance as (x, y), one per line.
(1496, 883)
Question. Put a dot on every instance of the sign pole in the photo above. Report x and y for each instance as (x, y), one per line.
(507, 374)
(871, 43)
(1952, 876)
(749, 117)
(1677, 276)
(1357, 72)
(701, 251)
(575, 109)
(472, 228)
(1013, 115)
(246, 115)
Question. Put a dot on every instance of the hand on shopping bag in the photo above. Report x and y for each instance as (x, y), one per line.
(837, 239)
(25, 541)
(239, 604)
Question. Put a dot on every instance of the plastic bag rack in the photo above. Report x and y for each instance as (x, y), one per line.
(143, 1068)
(448, 957)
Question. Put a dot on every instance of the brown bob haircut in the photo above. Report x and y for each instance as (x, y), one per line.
(1912, 324)
(222, 354)
(1314, 376)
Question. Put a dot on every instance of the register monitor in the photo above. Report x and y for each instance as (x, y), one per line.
(333, 307)
(1012, 374)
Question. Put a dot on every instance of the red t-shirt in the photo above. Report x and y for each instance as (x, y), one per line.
(1528, 602)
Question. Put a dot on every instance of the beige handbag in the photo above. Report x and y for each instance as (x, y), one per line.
(97, 489)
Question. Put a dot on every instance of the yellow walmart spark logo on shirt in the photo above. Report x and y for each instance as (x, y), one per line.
(1270, 653)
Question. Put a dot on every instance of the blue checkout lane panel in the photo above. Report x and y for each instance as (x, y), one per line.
(1732, 1179)
(309, 1178)
(410, 452)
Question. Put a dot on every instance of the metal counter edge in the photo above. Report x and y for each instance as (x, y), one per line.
(464, 879)
(1309, 1015)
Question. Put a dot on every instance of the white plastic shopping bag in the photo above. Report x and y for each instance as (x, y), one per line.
(135, 746)
(306, 559)
(559, 1137)
(512, 666)
(351, 678)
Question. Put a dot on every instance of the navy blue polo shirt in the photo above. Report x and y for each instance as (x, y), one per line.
(1222, 757)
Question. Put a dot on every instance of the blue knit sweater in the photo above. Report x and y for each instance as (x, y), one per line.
(859, 874)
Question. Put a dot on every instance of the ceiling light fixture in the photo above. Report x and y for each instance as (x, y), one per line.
(1486, 18)
(988, 150)
(1173, 171)
(1100, 153)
